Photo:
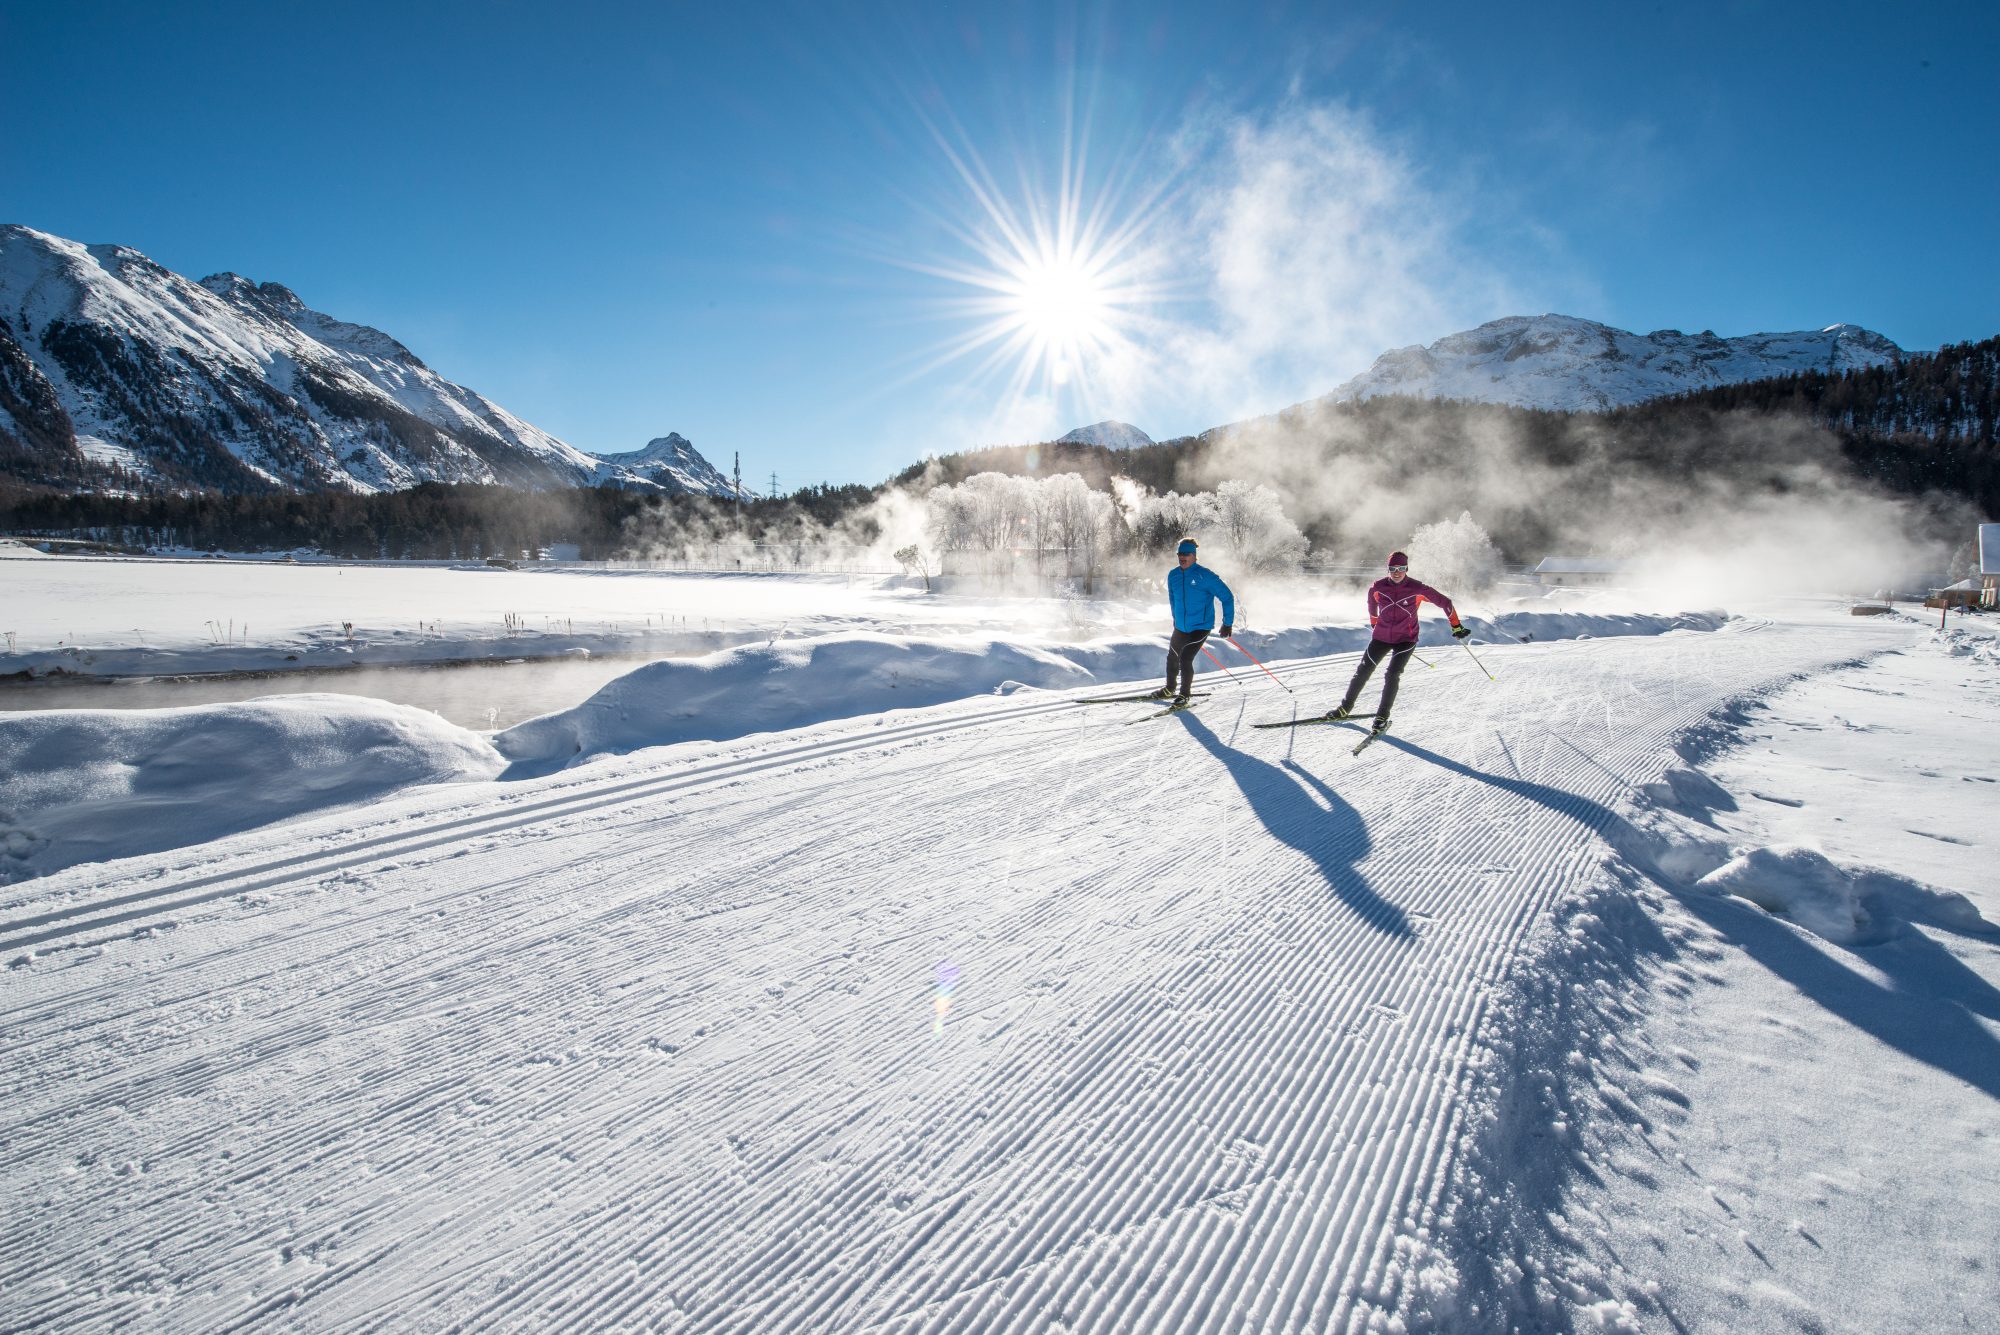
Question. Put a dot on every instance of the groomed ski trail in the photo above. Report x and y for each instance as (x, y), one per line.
(650, 1045)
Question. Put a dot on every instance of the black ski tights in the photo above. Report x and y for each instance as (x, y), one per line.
(1180, 657)
(1377, 650)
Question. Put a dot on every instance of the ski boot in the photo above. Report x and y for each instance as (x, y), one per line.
(1337, 713)
(1164, 693)
(1381, 726)
(1180, 700)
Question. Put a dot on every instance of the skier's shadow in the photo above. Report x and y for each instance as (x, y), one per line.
(1328, 831)
(1925, 1010)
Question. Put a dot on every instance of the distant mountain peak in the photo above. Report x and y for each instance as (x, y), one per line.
(665, 463)
(1566, 363)
(1110, 433)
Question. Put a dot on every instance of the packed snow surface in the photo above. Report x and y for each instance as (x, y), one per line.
(1010, 1013)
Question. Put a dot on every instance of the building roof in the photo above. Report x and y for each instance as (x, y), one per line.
(1599, 565)
(1989, 549)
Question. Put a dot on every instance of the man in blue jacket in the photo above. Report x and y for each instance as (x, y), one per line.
(1191, 593)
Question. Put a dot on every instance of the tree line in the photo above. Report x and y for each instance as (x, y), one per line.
(434, 521)
(1931, 423)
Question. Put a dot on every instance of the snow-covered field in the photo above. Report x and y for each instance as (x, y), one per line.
(109, 616)
(997, 1013)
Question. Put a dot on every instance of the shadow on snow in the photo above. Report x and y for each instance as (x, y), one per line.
(1924, 1011)
(1302, 811)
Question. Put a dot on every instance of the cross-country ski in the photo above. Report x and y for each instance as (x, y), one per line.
(1315, 720)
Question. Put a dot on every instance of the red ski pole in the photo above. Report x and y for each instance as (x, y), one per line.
(1267, 672)
(1218, 662)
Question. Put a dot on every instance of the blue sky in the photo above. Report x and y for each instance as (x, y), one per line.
(755, 224)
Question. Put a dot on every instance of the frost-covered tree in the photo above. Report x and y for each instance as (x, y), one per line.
(1455, 555)
(1251, 523)
(987, 512)
(1162, 521)
(948, 518)
(1081, 522)
(1000, 509)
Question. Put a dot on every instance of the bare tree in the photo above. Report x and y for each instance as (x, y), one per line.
(914, 561)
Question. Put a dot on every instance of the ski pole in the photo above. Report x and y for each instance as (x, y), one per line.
(1475, 658)
(1267, 672)
(1218, 662)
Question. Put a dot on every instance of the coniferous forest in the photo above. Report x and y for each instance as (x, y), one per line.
(435, 521)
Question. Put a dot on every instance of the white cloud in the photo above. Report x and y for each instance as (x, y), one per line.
(1294, 247)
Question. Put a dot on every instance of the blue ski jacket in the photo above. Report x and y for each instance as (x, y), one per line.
(1192, 594)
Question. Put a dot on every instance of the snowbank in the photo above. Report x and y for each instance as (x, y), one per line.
(795, 683)
(1979, 642)
(89, 785)
(785, 684)
(1846, 905)
(1798, 882)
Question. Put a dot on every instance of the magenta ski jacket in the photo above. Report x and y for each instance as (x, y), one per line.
(1392, 608)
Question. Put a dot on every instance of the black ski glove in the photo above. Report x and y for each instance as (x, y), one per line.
(1227, 631)
(1460, 632)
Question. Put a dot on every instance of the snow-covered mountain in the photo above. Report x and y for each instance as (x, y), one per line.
(667, 463)
(1115, 435)
(109, 362)
(1569, 364)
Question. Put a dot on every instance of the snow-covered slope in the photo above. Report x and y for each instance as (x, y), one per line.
(1116, 435)
(667, 463)
(1564, 363)
(110, 360)
(1003, 1015)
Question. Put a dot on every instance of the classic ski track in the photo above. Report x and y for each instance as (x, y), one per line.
(1233, 1138)
(575, 794)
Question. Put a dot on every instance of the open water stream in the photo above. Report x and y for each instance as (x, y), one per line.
(479, 695)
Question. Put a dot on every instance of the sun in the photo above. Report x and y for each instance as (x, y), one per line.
(1057, 284)
(1060, 301)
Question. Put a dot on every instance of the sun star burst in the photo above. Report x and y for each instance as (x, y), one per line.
(1060, 283)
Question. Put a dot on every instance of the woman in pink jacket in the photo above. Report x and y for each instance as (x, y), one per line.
(1392, 612)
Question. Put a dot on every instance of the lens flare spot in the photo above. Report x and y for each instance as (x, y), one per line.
(947, 983)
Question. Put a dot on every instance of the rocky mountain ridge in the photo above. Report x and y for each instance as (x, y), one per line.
(117, 373)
